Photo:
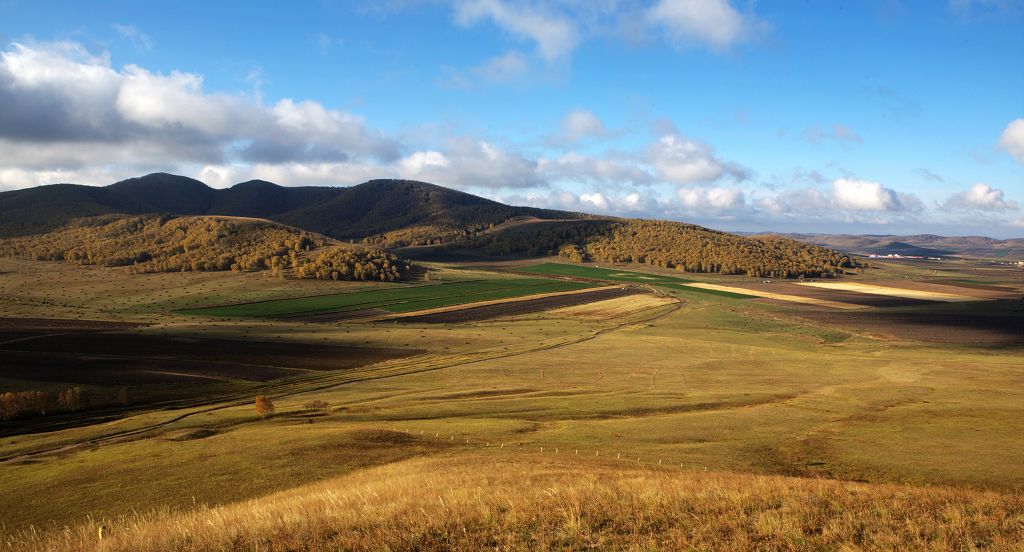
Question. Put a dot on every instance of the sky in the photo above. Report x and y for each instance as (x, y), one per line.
(869, 116)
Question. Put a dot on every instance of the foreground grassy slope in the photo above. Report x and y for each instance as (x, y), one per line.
(503, 500)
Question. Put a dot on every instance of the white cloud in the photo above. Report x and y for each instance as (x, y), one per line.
(554, 35)
(847, 199)
(712, 22)
(62, 107)
(864, 195)
(981, 197)
(716, 199)
(470, 163)
(595, 200)
(679, 160)
(1012, 140)
(580, 125)
(609, 170)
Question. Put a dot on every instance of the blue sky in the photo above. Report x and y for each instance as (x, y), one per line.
(863, 117)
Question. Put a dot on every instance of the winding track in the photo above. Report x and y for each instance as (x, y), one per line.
(386, 369)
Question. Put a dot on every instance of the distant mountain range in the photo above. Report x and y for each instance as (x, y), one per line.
(372, 208)
(925, 245)
(396, 213)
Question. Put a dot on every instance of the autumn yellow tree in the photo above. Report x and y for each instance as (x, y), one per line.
(264, 406)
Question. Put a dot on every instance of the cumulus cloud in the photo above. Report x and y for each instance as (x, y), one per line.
(609, 170)
(62, 107)
(1012, 140)
(981, 197)
(555, 36)
(847, 199)
(716, 199)
(863, 195)
(467, 162)
(680, 160)
(714, 23)
(595, 200)
(580, 125)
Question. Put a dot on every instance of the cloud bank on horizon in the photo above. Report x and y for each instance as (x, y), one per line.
(709, 111)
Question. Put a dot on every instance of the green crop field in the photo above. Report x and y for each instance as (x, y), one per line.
(612, 275)
(405, 299)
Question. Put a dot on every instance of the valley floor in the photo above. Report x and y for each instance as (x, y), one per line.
(581, 426)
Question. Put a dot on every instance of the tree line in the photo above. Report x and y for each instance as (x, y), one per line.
(154, 243)
(354, 264)
(24, 404)
(684, 247)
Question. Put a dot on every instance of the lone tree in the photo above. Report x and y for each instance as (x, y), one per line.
(264, 406)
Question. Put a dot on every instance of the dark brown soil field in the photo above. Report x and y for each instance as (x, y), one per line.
(852, 297)
(61, 324)
(513, 308)
(122, 359)
(964, 329)
(973, 286)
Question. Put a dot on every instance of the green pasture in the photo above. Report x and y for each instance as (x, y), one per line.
(613, 275)
(405, 299)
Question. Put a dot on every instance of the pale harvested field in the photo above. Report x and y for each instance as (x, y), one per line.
(780, 296)
(874, 289)
(613, 308)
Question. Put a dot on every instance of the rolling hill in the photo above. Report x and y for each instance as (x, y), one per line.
(165, 243)
(399, 213)
(365, 210)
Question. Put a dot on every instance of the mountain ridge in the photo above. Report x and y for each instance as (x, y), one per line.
(353, 212)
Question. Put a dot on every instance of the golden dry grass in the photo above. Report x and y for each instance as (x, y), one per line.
(613, 308)
(535, 502)
(905, 293)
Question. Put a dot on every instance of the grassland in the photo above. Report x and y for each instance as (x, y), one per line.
(783, 411)
(614, 275)
(396, 300)
(533, 501)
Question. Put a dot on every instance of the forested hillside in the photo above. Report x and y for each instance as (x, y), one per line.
(678, 245)
(161, 243)
(378, 213)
